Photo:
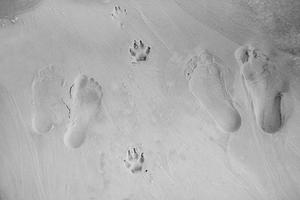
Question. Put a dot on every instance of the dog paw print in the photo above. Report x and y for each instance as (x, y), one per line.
(139, 52)
(118, 14)
(134, 161)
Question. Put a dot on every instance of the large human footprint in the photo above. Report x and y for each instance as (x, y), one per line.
(86, 101)
(206, 83)
(264, 85)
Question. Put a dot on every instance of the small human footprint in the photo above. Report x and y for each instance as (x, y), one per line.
(47, 98)
(206, 83)
(118, 14)
(134, 161)
(139, 52)
(86, 96)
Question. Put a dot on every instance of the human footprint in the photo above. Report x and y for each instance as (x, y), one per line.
(86, 97)
(264, 85)
(48, 105)
(206, 83)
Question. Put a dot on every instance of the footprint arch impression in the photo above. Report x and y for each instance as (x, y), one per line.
(86, 97)
(206, 83)
(264, 85)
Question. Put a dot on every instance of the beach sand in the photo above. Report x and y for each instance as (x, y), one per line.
(150, 138)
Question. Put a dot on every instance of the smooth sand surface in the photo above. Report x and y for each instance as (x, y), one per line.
(145, 105)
